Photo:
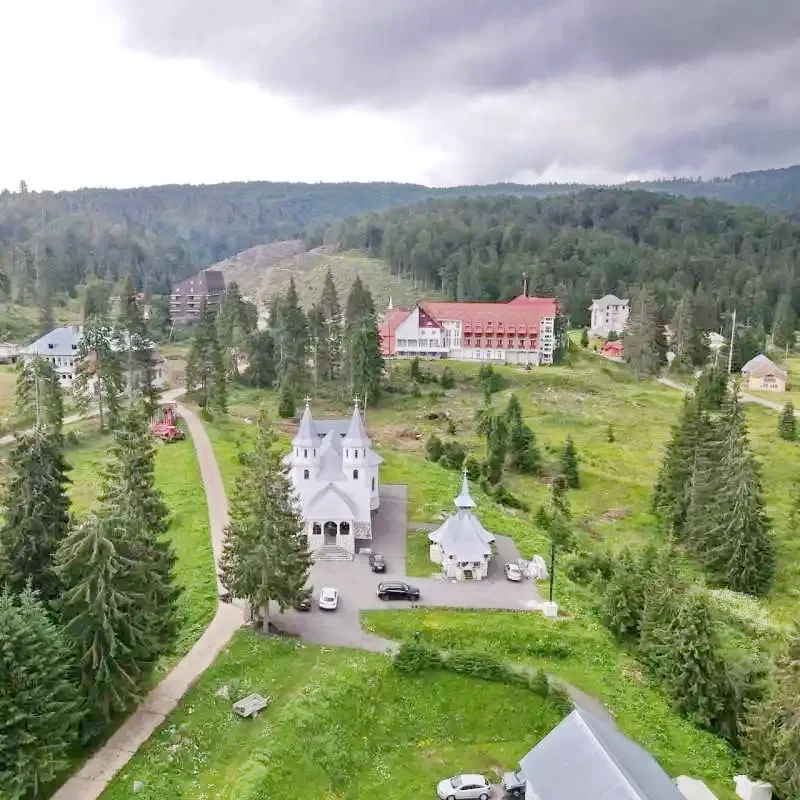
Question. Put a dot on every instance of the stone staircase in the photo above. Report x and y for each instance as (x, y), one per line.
(332, 552)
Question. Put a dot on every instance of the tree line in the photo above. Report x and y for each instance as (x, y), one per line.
(88, 606)
(581, 246)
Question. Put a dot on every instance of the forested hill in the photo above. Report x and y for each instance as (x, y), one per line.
(57, 240)
(584, 245)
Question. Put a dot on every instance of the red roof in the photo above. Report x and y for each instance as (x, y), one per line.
(615, 349)
(392, 318)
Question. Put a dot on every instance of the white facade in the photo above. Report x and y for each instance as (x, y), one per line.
(462, 545)
(336, 479)
(609, 313)
(59, 347)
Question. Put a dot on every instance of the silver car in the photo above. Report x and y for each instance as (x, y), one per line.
(464, 787)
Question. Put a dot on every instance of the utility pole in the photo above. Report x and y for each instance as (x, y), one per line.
(525, 284)
(730, 347)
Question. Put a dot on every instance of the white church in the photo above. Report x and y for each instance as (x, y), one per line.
(335, 473)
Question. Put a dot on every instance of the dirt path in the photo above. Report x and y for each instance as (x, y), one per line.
(90, 781)
(743, 396)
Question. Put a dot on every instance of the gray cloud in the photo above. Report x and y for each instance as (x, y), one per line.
(518, 87)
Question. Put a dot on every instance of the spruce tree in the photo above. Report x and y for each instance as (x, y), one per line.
(623, 599)
(524, 455)
(585, 338)
(292, 343)
(318, 342)
(730, 531)
(130, 496)
(36, 515)
(99, 373)
(363, 359)
(40, 704)
(683, 329)
(205, 371)
(569, 464)
(38, 395)
(513, 411)
(332, 314)
(787, 427)
(261, 367)
(237, 321)
(103, 614)
(772, 727)
(783, 323)
(266, 556)
(642, 347)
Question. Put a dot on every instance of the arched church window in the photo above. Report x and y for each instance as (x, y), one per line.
(305, 453)
(373, 484)
(344, 528)
(305, 474)
(355, 474)
(316, 529)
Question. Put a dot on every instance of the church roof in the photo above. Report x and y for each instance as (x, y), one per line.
(462, 534)
(330, 465)
(761, 365)
(356, 433)
(306, 435)
(330, 501)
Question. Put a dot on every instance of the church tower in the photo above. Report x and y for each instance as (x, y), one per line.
(355, 447)
(305, 448)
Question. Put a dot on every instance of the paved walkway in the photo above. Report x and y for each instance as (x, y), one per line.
(90, 781)
(743, 396)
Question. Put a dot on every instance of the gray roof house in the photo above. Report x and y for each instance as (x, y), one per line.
(586, 757)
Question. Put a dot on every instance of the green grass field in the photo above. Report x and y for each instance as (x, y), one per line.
(341, 724)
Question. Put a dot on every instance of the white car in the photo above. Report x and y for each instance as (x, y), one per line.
(513, 572)
(464, 787)
(329, 599)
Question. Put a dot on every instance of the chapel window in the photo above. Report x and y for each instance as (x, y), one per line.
(355, 474)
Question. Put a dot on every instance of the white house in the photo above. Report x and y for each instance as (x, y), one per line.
(462, 545)
(60, 348)
(761, 373)
(609, 313)
(335, 474)
(586, 757)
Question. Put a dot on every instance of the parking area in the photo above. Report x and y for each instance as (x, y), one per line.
(357, 584)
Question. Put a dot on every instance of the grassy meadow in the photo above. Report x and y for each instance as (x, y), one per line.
(341, 724)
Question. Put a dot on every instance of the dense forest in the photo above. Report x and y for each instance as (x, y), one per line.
(51, 242)
(583, 245)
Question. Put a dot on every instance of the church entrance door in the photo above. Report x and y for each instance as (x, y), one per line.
(330, 532)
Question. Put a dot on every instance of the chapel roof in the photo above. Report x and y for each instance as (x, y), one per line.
(306, 435)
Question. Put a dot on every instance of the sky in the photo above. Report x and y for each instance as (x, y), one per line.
(443, 92)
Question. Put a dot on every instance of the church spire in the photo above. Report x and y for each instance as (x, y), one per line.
(356, 434)
(306, 435)
(464, 500)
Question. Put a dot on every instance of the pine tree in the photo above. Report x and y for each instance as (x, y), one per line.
(205, 371)
(569, 464)
(266, 556)
(493, 428)
(524, 455)
(787, 427)
(730, 531)
(585, 337)
(623, 599)
(286, 403)
(513, 411)
(237, 321)
(784, 322)
(555, 522)
(292, 343)
(36, 516)
(261, 366)
(772, 727)
(130, 496)
(99, 373)
(683, 328)
(38, 394)
(332, 314)
(642, 335)
(363, 359)
(103, 618)
(318, 342)
(40, 705)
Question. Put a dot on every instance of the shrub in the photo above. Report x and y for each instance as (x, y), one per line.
(474, 468)
(539, 684)
(453, 454)
(490, 380)
(72, 439)
(586, 567)
(451, 427)
(479, 665)
(447, 380)
(506, 498)
(435, 395)
(286, 408)
(413, 658)
(434, 448)
(206, 414)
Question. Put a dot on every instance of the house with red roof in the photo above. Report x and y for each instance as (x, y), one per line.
(520, 331)
(614, 349)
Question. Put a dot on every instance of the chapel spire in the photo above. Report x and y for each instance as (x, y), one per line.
(464, 500)
(356, 434)
(306, 435)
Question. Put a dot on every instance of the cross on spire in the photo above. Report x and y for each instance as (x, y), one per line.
(356, 401)
(308, 401)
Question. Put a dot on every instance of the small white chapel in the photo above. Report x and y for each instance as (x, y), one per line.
(462, 545)
(335, 474)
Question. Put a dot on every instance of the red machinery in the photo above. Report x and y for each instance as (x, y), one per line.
(164, 426)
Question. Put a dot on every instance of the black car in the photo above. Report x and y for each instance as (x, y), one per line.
(303, 603)
(377, 562)
(395, 590)
(513, 784)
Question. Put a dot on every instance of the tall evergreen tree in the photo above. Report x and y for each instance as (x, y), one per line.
(38, 394)
(569, 464)
(130, 496)
(205, 371)
(772, 728)
(103, 617)
(266, 556)
(318, 342)
(787, 427)
(292, 343)
(36, 515)
(261, 365)
(524, 455)
(554, 520)
(363, 359)
(642, 335)
(40, 705)
(513, 411)
(730, 531)
(332, 314)
(99, 373)
(783, 324)
(237, 321)
(683, 328)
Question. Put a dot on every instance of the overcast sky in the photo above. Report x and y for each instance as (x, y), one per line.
(139, 92)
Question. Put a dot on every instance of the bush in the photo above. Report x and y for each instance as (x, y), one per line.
(447, 380)
(586, 567)
(206, 415)
(435, 395)
(451, 427)
(490, 380)
(505, 498)
(474, 468)
(72, 439)
(434, 448)
(413, 658)
(479, 665)
(453, 455)
(286, 409)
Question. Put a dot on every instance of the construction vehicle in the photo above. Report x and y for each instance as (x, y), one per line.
(164, 425)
